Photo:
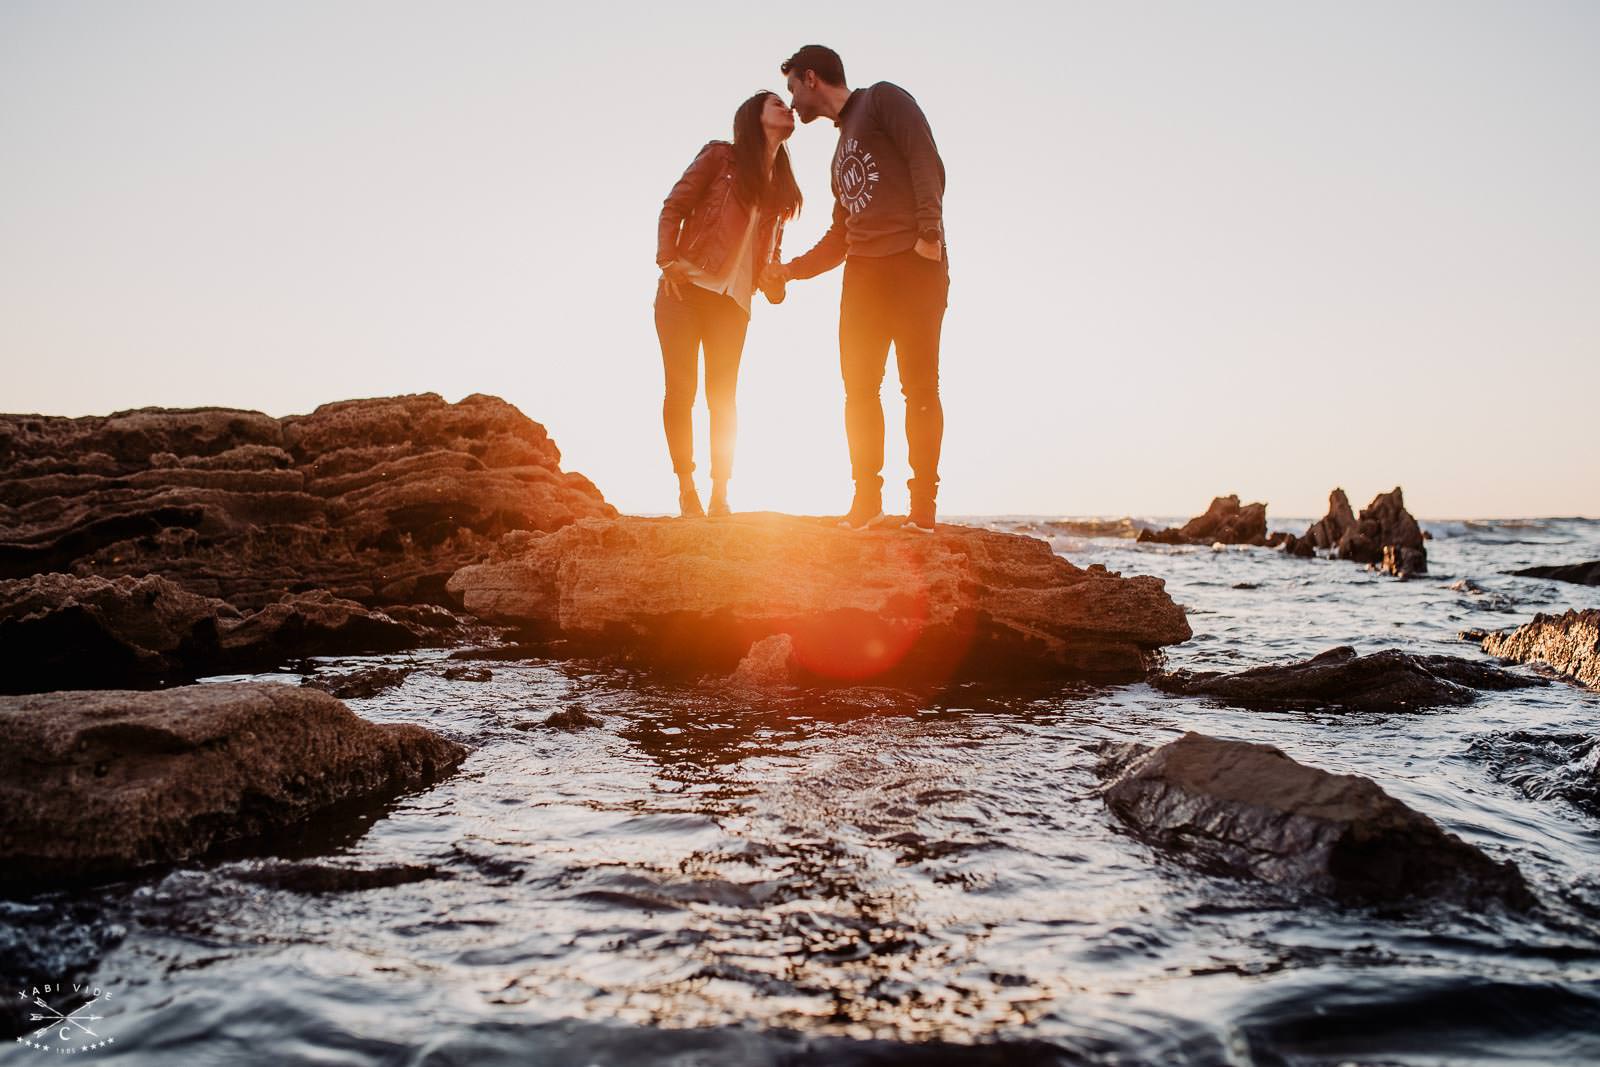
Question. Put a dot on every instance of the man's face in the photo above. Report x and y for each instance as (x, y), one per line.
(802, 86)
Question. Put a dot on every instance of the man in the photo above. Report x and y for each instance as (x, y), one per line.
(888, 229)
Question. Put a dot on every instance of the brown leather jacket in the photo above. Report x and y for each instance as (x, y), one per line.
(703, 222)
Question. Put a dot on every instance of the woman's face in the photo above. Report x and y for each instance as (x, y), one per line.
(776, 118)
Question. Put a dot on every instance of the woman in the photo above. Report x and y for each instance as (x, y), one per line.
(720, 227)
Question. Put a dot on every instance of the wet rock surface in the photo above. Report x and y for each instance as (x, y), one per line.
(1578, 573)
(61, 631)
(102, 782)
(1224, 522)
(1249, 810)
(375, 500)
(1568, 643)
(963, 602)
(1389, 680)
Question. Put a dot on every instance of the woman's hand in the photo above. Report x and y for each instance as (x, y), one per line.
(673, 276)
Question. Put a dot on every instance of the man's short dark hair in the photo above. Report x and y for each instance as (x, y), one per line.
(819, 58)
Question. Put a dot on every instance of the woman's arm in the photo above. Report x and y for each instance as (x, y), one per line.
(681, 201)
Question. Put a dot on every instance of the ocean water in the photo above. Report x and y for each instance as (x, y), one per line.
(860, 878)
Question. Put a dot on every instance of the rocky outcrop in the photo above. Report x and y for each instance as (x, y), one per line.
(1578, 573)
(1250, 811)
(887, 604)
(102, 782)
(1569, 643)
(1389, 680)
(377, 501)
(1225, 522)
(62, 631)
(1386, 536)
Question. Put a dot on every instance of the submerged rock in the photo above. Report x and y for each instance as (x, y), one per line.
(1578, 573)
(374, 500)
(101, 782)
(1570, 643)
(1251, 811)
(1389, 680)
(321, 878)
(1225, 522)
(962, 602)
(361, 684)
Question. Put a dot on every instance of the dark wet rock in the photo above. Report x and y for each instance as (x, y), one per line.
(1386, 536)
(101, 782)
(1250, 811)
(962, 602)
(1579, 573)
(373, 500)
(569, 719)
(361, 684)
(319, 878)
(468, 674)
(62, 631)
(1225, 522)
(1389, 680)
(1569, 643)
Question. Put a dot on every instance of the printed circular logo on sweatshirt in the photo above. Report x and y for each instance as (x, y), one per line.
(856, 174)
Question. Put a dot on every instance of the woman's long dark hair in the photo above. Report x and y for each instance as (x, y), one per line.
(782, 193)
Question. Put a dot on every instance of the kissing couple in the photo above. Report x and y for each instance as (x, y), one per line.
(721, 237)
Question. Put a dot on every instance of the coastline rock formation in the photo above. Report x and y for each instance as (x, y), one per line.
(376, 501)
(1577, 573)
(1570, 643)
(885, 604)
(63, 631)
(102, 782)
(1249, 810)
(1389, 680)
(1385, 536)
(1225, 522)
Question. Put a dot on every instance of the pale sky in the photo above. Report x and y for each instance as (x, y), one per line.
(1264, 248)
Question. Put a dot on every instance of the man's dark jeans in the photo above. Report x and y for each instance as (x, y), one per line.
(897, 299)
(716, 321)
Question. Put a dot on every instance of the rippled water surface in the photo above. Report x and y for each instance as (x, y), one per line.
(855, 877)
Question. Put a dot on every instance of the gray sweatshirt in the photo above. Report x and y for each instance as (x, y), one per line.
(888, 180)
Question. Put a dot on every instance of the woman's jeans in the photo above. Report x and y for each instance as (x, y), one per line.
(683, 325)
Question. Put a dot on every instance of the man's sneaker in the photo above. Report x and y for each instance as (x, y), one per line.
(866, 510)
(921, 518)
(689, 505)
(718, 508)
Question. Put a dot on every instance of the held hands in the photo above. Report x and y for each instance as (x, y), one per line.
(773, 281)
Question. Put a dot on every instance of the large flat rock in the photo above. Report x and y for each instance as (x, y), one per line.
(1569, 642)
(1249, 810)
(883, 604)
(99, 782)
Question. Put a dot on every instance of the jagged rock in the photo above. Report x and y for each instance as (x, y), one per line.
(1389, 680)
(1386, 536)
(362, 684)
(1250, 811)
(64, 631)
(1579, 573)
(961, 602)
(374, 500)
(1224, 522)
(468, 674)
(101, 782)
(1569, 642)
(769, 663)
